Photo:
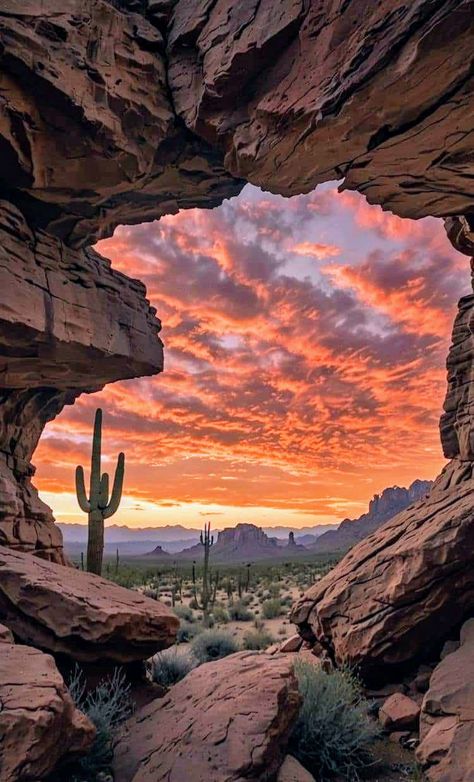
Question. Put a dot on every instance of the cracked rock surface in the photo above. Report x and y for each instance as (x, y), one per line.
(403, 588)
(64, 610)
(39, 723)
(226, 721)
(447, 716)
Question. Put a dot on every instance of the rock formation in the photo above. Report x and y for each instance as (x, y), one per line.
(39, 723)
(381, 508)
(63, 610)
(120, 111)
(68, 323)
(244, 543)
(447, 719)
(399, 592)
(228, 721)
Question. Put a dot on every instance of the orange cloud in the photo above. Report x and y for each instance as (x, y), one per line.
(311, 390)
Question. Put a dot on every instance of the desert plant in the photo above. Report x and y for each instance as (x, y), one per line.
(187, 631)
(220, 614)
(184, 612)
(208, 591)
(238, 612)
(257, 639)
(213, 645)
(98, 506)
(271, 608)
(107, 706)
(333, 734)
(168, 667)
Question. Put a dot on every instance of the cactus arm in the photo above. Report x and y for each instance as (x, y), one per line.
(84, 503)
(104, 491)
(116, 495)
(94, 494)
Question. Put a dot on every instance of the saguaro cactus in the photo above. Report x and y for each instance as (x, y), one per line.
(207, 540)
(98, 507)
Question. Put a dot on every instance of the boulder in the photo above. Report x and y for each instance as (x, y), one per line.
(291, 770)
(6, 636)
(292, 644)
(447, 716)
(399, 713)
(39, 723)
(406, 585)
(226, 721)
(63, 610)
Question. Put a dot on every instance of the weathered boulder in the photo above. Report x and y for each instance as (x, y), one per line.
(6, 635)
(447, 717)
(399, 713)
(68, 323)
(226, 721)
(39, 723)
(292, 771)
(402, 588)
(63, 610)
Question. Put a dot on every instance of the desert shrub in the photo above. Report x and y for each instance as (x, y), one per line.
(333, 733)
(193, 603)
(220, 615)
(187, 631)
(274, 590)
(257, 639)
(259, 624)
(107, 706)
(184, 612)
(168, 667)
(238, 612)
(271, 608)
(213, 645)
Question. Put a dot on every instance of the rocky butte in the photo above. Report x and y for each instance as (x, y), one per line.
(120, 111)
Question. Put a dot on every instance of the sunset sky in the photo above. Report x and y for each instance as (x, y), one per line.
(305, 346)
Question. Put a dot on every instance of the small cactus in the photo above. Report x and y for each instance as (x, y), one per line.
(98, 507)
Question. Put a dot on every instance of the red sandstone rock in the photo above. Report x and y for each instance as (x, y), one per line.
(292, 771)
(39, 723)
(447, 717)
(70, 323)
(293, 644)
(399, 713)
(6, 635)
(380, 606)
(61, 609)
(227, 721)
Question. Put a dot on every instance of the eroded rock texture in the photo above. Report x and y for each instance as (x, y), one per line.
(447, 718)
(39, 723)
(68, 323)
(226, 721)
(397, 594)
(63, 610)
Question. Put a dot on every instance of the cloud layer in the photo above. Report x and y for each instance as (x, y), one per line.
(305, 346)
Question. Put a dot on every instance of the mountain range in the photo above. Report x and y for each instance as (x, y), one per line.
(248, 541)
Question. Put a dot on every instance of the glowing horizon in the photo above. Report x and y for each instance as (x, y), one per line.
(305, 344)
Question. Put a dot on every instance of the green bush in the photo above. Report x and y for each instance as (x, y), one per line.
(238, 612)
(213, 645)
(333, 734)
(107, 706)
(220, 615)
(168, 667)
(271, 608)
(187, 631)
(257, 639)
(184, 612)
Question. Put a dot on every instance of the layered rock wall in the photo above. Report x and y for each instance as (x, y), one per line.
(68, 323)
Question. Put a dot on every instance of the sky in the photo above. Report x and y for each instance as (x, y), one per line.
(305, 347)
